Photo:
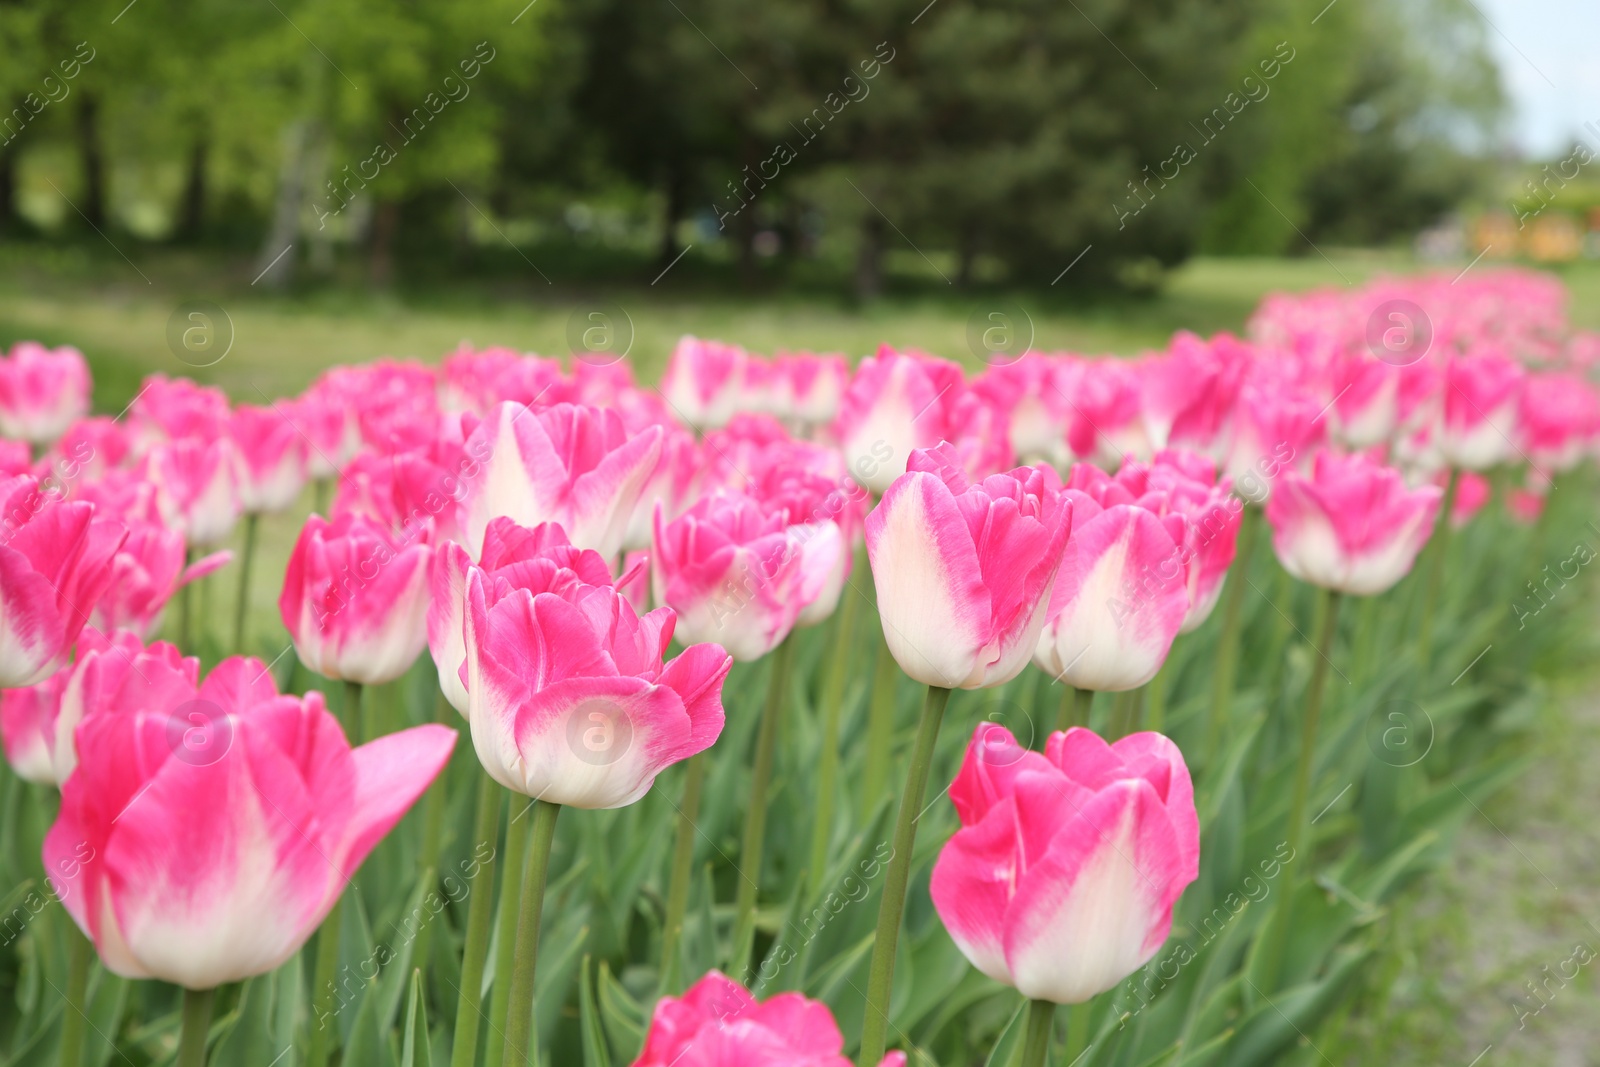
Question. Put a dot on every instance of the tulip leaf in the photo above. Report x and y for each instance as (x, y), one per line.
(625, 1019)
(596, 1053)
(415, 1050)
(1009, 1045)
(396, 975)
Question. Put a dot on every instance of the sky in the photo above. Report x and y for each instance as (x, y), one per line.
(1549, 55)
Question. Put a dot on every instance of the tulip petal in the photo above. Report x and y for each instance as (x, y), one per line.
(973, 881)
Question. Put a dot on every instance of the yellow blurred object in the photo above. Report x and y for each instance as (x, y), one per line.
(1554, 238)
(1495, 231)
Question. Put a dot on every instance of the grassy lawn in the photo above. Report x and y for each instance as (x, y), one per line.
(106, 307)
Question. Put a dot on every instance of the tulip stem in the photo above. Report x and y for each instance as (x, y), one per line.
(1437, 551)
(880, 729)
(469, 995)
(755, 816)
(892, 904)
(1041, 1014)
(352, 711)
(322, 988)
(241, 610)
(1075, 707)
(196, 1025)
(80, 953)
(506, 924)
(1327, 626)
(186, 604)
(682, 869)
(432, 835)
(828, 758)
(1155, 697)
(519, 1020)
(1078, 1019)
(1227, 653)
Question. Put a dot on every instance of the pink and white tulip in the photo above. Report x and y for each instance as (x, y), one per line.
(28, 727)
(570, 698)
(718, 1023)
(197, 487)
(269, 454)
(1063, 876)
(1482, 396)
(705, 381)
(202, 843)
(1352, 525)
(572, 464)
(896, 403)
(355, 600)
(963, 570)
(55, 562)
(42, 391)
(117, 674)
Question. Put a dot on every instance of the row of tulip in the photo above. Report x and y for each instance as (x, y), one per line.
(546, 534)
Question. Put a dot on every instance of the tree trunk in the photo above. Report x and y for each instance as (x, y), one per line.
(192, 207)
(10, 221)
(677, 203)
(967, 255)
(869, 258)
(93, 197)
(275, 264)
(385, 222)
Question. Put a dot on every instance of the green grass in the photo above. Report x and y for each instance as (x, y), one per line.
(107, 307)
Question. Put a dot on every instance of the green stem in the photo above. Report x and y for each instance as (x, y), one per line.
(506, 923)
(480, 909)
(433, 805)
(352, 711)
(1437, 550)
(828, 758)
(186, 606)
(880, 728)
(755, 816)
(519, 1023)
(322, 988)
(892, 905)
(1228, 640)
(319, 495)
(241, 610)
(1075, 707)
(1041, 1013)
(80, 954)
(682, 870)
(1327, 626)
(196, 1025)
(1155, 697)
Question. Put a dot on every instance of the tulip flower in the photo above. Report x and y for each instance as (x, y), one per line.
(571, 464)
(42, 391)
(1558, 421)
(1190, 392)
(705, 381)
(963, 570)
(177, 409)
(55, 562)
(269, 454)
(116, 674)
(897, 402)
(718, 1022)
(568, 695)
(202, 842)
(327, 413)
(197, 487)
(1481, 401)
(1063, 876)
(507, 548)
(1352, 525)
(1276, 423)
(672, 484)
(477, 381)
(734, 573)
(355, 600)
(1472, 493)
(810, 386)
(1122, 593)
(28, 727)
(1366, 403)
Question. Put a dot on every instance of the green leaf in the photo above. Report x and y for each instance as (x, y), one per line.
(595, 1051)
(415, 1051)
(1009, 1045)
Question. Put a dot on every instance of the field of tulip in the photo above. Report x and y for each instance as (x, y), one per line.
(897, 706)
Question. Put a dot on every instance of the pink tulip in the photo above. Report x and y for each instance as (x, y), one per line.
(117, 674)
(477, 381)
(355, 600)
(145, 574)
(327, 413)
(90, 448)
(1352, 525)
(718, 1023)
(177, 409)
(672, 484)
(42, 391)
(734, 573)
(1122, 593)
(269, 453)
(1559, 420)
(575, 465)
(508, 550)
(1366, 405)
(1185, 484)
(963, 570)
(1063, 876)
(705, 381)
(414, 495)
(197, 487)
(569, 698)
(1105, 422)
(1275, 423)
(1472, 493)
(1189, 393)
(896, 403)
(202, 842)
(1525, 505)
(28, 727)
(825, 517)
(1481, 401)
(55, 562)
(810, 386)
